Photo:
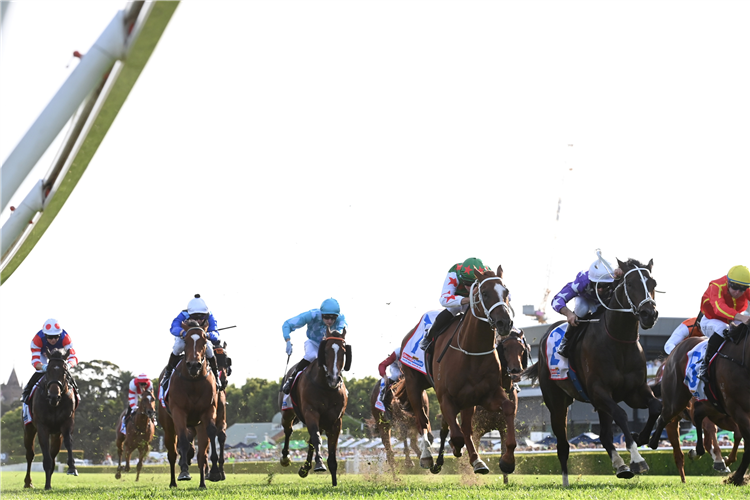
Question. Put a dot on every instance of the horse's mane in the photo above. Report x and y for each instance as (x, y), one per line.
(192, 322)
(57, 353)
(631, 263)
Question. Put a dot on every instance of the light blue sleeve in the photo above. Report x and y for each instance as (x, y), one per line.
(340, 323)
(296, 322)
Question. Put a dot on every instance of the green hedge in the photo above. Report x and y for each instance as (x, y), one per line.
(661, 463)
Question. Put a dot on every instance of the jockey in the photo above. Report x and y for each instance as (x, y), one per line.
(51, 336)
(724, 302)
(691, 327)
(197, 310)
(590, 289)
(137, 386)
(317, 321)
(454, 296)
(394, 371)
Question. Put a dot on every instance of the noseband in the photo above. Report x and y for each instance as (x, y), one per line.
(633, 308)
(500, 303)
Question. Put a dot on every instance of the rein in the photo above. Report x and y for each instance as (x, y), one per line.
(473, 302)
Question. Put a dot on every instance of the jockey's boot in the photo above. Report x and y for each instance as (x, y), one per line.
(173, 360)
(567, 341)
(441, 323)
(215, 370)
(32, 382)
(713, 345)
(127, 416)
(288, 384)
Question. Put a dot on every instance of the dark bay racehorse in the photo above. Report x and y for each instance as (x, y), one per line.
(730, 375)
(611, 368)
(191, 402)
(53, 409)
(221, 410)
(400, 420)
(319, 397)
(138, 434)
(467, 371)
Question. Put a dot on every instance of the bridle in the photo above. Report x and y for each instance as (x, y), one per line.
(61, 385)
(204, 359)
(473, 303)
(633, 308)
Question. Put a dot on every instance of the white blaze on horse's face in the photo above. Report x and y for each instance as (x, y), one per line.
(501, 290)
(336, 348)
(195, 338)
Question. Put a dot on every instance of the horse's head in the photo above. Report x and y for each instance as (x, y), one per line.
(195, 346)
(490, 301)
(514, 354)
(56, 377)
(636, 290)
(147, 405)
(334, 357)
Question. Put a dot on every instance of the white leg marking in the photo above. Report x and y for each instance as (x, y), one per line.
(635, 457)
(617, 460)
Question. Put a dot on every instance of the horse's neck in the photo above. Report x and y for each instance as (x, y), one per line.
(474, 334)
(622, 326)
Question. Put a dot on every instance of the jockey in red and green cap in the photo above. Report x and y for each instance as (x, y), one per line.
(455, 295)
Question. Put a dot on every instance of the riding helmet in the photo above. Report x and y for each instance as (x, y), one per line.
(739, 275)
(468, 269)
(330, 306)
(52, 328)
(197, 305)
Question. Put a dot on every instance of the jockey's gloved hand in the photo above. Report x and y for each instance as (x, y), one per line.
(288, 347)
(44, 367)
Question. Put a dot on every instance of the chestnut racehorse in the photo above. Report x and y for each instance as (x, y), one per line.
(138, 434)
(611, 367)
(53, 408)
(730, 374)
(466, 370)
(319, 398)
(191, 402)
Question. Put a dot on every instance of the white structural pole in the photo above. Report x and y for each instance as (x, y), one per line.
(21, 216)
(108, 48)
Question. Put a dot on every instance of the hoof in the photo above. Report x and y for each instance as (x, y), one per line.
(214, 477)
(639, 468)
(480, 467)
(285, 462)
(624, 472)
(118, 475)
(72, 471)
(426, 463)
(184, 476)
(506, 467)
(720, 467)
(408, 464)
(29, 486)
(435, 469)
(319, 467)
(303, 472)
(223, 477)
(48, 487)
(692, 454)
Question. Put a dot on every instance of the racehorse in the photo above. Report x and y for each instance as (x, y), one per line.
(191, 402)
(138, 434)
(729, 373)
(223, 363)
(467, 371)
(513, 352)
(319, 398)
(400, 419)
(53, 408)
(611, 368)
(707, 441)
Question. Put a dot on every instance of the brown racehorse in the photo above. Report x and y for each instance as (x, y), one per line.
(467, 373)
(319, 397)
(709, 440)
(401, 420)
(191, 402)
(729, 370)
(513, 352)
(611, 368)
(221, 407)
(53, 408)
(138, 434)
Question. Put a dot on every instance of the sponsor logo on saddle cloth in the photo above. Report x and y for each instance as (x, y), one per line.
(558, 365)
(694, 384)
(413, 355)
(123, 430)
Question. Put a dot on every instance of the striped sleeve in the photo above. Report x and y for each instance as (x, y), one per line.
(36, 350)
(132, 395)
(68, 344)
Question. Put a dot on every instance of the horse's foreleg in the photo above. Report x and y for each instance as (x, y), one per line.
(384, 429)
(184, 442)
(287, 419)
(29, 432)
(673, 434)
(215, 474)
(333, 438)
(315, 443)
(202, 432)
(415, 395)
(606, 438)
(443, 437)
(508, 459)
(467, 416)
(742, 419)
(49, 465)
(450, 416)
(142, 450)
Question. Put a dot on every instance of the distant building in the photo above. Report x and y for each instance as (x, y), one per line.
(12, 390)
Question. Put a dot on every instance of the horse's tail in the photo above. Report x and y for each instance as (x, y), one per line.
(531, 373)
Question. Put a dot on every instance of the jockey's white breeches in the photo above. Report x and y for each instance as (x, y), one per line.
(311, 350)
(711, 326)
(583, 307)
(179, 347)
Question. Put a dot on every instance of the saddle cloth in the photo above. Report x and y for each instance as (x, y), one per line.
(694, 384)
(558, 365)
(286, 401)
(412, 355)
(378, 403)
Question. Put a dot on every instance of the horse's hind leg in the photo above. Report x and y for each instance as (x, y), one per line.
(673, 433)
(67, 435)
(287, 419)
(215, 474)
(435, 469)
(557, 403)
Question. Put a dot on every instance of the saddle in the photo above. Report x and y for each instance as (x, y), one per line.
(430, 352)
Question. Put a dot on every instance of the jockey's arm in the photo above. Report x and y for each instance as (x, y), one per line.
(294, 323)
(212, 333)
(386, 362)
(176, 328)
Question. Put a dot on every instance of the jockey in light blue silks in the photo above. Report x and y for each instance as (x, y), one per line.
(197, 310)
(318, 321)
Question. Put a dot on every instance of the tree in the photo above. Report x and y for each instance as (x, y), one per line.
(256, 401)
(11, 438)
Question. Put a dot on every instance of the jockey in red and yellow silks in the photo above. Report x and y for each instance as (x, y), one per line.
(724, 302)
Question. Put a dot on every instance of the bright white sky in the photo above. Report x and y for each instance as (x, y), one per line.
(274, 154)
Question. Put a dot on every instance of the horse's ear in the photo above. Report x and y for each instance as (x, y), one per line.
(322, 353)
(343, 334)
(620, 264)
(499, 272)
(650, 264)
(67, 354)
